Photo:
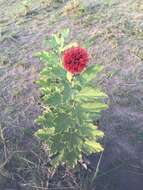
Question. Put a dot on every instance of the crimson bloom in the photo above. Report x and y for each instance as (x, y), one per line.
(75, 59)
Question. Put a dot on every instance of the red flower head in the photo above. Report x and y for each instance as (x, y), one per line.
(75, 59)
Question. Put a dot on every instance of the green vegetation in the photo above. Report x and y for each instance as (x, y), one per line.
(70, 104)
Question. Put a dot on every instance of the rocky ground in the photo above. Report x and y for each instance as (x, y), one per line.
(113, 32)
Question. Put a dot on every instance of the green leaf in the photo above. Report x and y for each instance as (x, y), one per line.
(57, 145)
(94, 106)
(67, 92)
(53, 99)
(44, 56)
(59, 72)
(89, 92)
(43, 83)
(46, 119)
(53, 43)
(46, 71)
(59, 40)
(71, 158)
(70, 137)
(45, 133)
(41, 120)
(65, 32)
(90, 131)
(63, 122)
(79, 114)
(91, 72)
(92, 147)
(48, 57)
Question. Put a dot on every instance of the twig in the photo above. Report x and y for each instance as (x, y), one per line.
(97, 168)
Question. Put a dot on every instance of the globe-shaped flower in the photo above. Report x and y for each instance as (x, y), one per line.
(75, 59)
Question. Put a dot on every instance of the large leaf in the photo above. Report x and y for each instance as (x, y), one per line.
(94, 106)
(63, 122)
(92, 147)
(57, 145)
(72, 139)
(80, 115)
(59, 72)
(46, 119)
(90, 131)
(67, 91)
(46, 71)
(43, 82)
(48, 57)
(90, 92)
(45, 133)
(91, 72)
(53, 99)
(72, 156)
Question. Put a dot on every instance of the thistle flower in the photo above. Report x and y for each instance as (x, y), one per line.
(75, 59)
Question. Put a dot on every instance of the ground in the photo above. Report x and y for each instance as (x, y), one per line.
(112, 30)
